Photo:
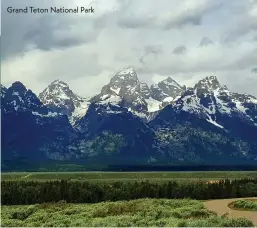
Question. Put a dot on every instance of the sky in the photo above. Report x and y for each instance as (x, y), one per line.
(184, 39)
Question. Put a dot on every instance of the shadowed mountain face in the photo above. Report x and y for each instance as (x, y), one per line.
(130, 123)
(30, 130)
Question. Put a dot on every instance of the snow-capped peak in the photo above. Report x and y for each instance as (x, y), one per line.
(128, 70)
(167, 90)
(212, 101)
(126, 75)
(170, 82)
(59, 83)
(60, 98)
(208, 83)
(18, 98)
(56, 93)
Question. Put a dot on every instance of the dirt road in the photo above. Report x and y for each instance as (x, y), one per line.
(221, 207)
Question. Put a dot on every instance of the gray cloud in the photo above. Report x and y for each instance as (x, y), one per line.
(149, 51)
(191, 16)
(21, 32)
(205, 42)
(136, 22)
(245, 13)
(85, 51)
(179, 50)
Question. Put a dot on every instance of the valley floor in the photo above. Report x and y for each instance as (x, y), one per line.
(141, 212)
(128, 176)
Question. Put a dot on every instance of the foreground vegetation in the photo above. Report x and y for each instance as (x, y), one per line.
(126, 176)
(32, 192)
(142, 212)
(250, 205)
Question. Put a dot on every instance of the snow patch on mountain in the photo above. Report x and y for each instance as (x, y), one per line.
(214, 122)
(110, 99)
(60, 98)
(208, 99)
(153, 105)
(166, 91)
(49, 114)
(79, 112)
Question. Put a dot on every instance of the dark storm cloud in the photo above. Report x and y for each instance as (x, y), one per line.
(21, 32)
(179, 50)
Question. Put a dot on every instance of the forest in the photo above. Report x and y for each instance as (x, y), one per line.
(34, 192)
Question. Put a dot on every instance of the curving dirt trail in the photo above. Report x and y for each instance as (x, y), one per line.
(220, 206)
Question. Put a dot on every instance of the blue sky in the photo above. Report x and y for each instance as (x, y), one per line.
(159, 38)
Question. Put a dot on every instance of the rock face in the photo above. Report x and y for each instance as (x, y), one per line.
(209, 117)
(30, 131)
(126, 87)
(130, 123)
(58, 97)
(167, 91)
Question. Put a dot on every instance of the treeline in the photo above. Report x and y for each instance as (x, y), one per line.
(146, 168)
(31, 192)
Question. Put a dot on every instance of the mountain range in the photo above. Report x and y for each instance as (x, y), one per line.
(129, 122)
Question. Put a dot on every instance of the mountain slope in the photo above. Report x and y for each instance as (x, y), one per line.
(30, 130)
(232, 111)
(209, 123)
(166, 91)
(133, 95)
(129, 123)
(58, 97)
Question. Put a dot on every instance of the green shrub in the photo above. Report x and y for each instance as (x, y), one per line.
(244, 204)
(24, 213)
(138, 213)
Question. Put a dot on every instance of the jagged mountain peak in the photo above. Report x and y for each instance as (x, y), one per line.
(125, 87)
(59, 82)
(57, 90)
(18, 98)
(124, 82)
(208, 83)
(3, 90)
(58, 97)
(171, 82)
(18, 87)
(127, 74)
(167, 89)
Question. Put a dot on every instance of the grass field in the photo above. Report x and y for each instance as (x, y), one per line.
(249, 205)
(128, 176)
(142, 212)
